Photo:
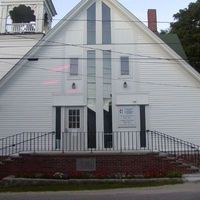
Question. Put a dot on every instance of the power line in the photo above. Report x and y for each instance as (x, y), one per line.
(142, 82)
(79, 45)
(115, 44)
(92, 48)
(136, 60)
(99, 49)
(98, 20)
(114, 79)
(83, 58)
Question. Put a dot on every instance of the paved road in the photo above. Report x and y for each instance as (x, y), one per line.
(189, 191)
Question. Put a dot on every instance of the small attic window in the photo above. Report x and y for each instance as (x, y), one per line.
(22, 14)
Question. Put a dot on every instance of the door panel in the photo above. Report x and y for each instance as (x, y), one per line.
(74, 119)
(74, 137)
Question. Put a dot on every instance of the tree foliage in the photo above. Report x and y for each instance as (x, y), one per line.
(187, 27)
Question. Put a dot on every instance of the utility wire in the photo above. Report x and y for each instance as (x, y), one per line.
(139, 60)
(81, 58)
(105, 78)
(99, 49)
(98, 20)
(78, 45)
(113, 60)
(133, 43)
(115, 79)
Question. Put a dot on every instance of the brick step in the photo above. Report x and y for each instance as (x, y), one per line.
(180, 162)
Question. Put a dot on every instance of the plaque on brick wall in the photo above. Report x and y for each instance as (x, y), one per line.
(86, 164)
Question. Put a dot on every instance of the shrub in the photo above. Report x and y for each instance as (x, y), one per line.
(174, 174)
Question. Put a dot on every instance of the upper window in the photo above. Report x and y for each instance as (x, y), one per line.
(74, 66)
(106, 24)
(124, 65)
(91, 24)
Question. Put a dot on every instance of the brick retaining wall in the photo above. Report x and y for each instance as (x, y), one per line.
(105, 165)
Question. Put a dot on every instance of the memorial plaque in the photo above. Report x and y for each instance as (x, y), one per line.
(86, 164)
(127, 116)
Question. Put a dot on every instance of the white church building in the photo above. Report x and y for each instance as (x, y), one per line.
(99, 70)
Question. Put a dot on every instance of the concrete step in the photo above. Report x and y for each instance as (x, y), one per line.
(192, 177)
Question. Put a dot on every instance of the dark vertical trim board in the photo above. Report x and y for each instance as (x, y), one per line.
(91, 123)
(58, 127)
(58, 123)
(142, 126)
(108, 140)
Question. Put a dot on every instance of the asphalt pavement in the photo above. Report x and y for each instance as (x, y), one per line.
(187, 191)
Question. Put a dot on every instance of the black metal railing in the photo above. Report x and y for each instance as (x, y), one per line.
(101, 142)
(174, 147)
(27, 142)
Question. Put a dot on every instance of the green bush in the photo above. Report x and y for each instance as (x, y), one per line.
(174, 174)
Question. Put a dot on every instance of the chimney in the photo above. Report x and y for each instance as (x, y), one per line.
(152, 20)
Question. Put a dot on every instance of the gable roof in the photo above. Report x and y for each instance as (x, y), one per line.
(173, 41)
(75, 11)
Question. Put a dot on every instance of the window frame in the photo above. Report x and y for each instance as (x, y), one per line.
(106, 24)
(91, 24)
(122, 71)
(74, 118)
(73, 72)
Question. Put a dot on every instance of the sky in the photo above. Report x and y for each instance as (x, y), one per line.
(165, 8)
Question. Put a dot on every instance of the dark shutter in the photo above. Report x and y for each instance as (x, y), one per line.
(108, 127)
(58, 126)
(142, 126)
(91, 119)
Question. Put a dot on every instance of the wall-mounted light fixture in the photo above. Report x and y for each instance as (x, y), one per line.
(32, 59)
(125, 85)
(73, 86)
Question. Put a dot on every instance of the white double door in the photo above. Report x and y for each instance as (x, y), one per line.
(75, 139)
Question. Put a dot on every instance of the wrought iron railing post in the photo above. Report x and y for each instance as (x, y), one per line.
(63, 138)
(121, 142)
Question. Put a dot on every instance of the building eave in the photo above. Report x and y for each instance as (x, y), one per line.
(52, 7)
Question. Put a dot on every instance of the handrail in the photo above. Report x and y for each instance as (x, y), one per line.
(174, 138)
(27, 142)
(175, 147)
(127, 141)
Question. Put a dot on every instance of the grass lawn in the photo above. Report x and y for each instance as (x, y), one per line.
(88, 186)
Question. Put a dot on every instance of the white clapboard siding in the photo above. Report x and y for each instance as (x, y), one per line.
(172, 109)
(15, 46)
(26, 101)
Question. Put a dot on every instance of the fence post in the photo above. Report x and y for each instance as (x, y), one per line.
(63, 137)
(34, 143)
